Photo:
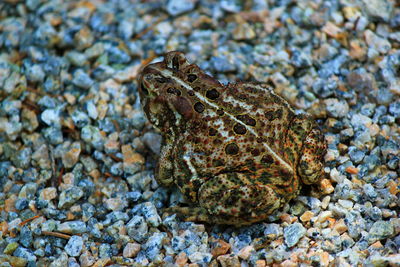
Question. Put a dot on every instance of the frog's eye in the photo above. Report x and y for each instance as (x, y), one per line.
(162, 79)
(175, 63)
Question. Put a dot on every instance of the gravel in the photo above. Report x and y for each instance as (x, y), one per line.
(77, 155)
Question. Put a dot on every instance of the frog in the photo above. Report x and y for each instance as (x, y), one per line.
(236, 151)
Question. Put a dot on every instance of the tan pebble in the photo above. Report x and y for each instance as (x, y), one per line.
(307, 216)
(70, 98)
(95, 174)
(3, 228)
(324, 256)
(115, 204)
(131, 250)
(130, 156)
(112, 145)
(30, 117)
(9, 203)
(102, 108)
(285, 217)
(181, 259)
(325, 202)
(261, 263)
(102, 262)
(331, 29)
(70, 216)
(352, 170)
(229, 260)
(48, 193)
(71, 157)
(374, 129)
(326, 186)
(358, 50)
(68, 180)
(331, 154)
(340, 226)
(193, 265)
(220, 247)
(245, 252)
(393, 187)
(288, 263)
(325, 215)
(377, 245)
(86, 259)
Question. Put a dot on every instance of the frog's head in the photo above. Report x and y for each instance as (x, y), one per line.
(163, 91)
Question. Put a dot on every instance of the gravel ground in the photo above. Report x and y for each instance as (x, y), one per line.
(77, 154)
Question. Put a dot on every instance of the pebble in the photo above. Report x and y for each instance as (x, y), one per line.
(77, 149)
(176, 7)
(131, 250)
(74, 246)
(293, 233)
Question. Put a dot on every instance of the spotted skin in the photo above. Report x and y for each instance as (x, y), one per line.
(237, 152)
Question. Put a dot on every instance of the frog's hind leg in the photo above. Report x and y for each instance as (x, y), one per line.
(231, 198)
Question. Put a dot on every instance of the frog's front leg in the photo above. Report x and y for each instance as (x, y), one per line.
(230, 198)
(164, 169)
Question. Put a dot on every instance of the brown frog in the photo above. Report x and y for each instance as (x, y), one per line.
(237, 152)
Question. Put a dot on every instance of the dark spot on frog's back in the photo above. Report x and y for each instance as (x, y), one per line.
(199, 107)
(232, 149)
(191, 77)
(173, 91)
(267, 159)
(239, 129)
(212, 132)
(247, 120)
(212, 94)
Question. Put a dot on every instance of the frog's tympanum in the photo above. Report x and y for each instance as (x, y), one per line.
(237, 152)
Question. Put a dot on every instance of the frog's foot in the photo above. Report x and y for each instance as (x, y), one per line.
(195, 214)
(310, 166)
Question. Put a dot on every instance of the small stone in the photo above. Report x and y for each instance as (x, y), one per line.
(35, 73)
(131, 250)
(379, 9)
(245, 252)
(137, 228)
(71, 157)
(72, 227)
(82, 79)
(326, 186)
(379, 231)
(229, 260)
(176, 7)
(51, 117)
(153, 245)
(10, 248)
(69, 196)
(293, 233)
(181, 259)
(200, 258)
(336, 108)
(74, 246)
(13, 261)
(86, 259)
(26, 237)
(219, 247)
(306, 216)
